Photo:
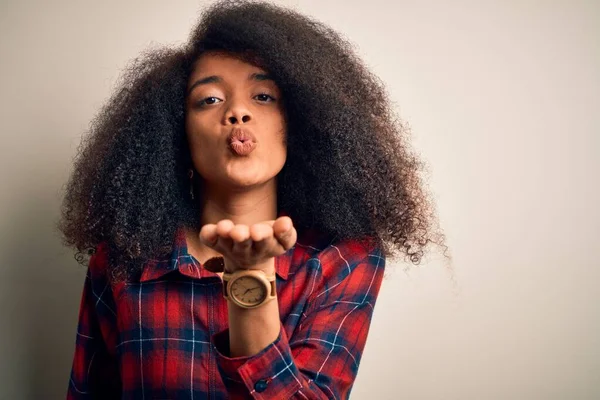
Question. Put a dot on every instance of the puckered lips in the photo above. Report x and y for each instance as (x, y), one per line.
(241, 141)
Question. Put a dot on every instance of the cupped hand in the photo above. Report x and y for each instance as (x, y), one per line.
(249, 247)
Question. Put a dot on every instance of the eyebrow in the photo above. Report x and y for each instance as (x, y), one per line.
(256, 76)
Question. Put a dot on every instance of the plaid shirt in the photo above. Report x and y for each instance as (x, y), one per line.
(166, 336)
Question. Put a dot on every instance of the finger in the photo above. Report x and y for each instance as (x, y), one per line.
(261, 231)
(208, 235)
(264, 241)
(288, 239)
(241, 239)
(224, 241)
(285, 233)
(282, 225)
(224, 227)
(240, 233)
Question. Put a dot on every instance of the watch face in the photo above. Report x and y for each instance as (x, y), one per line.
(248, 290)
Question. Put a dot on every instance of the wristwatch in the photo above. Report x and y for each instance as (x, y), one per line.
(249, 288)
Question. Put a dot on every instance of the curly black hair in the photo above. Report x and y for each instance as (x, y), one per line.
(349, 171)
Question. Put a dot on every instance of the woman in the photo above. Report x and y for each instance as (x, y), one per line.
(240, 196)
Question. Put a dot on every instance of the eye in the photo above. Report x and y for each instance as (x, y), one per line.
(263, 97)
(208, 101)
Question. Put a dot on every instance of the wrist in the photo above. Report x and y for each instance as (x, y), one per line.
(249, 288)
(268, 266)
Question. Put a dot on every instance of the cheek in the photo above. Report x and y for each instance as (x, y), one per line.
(277, 140)
(282, 141)
(279, 149)
(194, 141)
(281, 131)
(195, 146)
(283, 136)
(197, 136)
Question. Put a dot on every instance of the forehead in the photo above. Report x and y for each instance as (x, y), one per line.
(220, 63)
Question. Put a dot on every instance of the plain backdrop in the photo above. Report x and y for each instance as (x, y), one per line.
(503, 101)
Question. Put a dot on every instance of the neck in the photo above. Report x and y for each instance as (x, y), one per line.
(242, 207)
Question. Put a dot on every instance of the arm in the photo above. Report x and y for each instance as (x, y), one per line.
(251, 330)
(321, 359)
(94, 373)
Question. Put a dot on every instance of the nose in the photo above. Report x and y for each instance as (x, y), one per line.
(238, 113)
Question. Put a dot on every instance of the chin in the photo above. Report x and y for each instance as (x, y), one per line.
(239, 178)
(246, 183)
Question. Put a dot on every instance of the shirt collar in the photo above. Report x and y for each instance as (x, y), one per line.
(180, 259)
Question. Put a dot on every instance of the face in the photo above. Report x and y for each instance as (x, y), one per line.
(235, 122)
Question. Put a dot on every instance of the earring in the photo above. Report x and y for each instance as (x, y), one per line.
(191, 175)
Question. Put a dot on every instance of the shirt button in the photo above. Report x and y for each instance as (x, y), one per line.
(260, 386)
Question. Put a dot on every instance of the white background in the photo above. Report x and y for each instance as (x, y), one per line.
(503, 100)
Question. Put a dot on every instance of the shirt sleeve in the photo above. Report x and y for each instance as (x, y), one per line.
(320, 360)
(95, 372)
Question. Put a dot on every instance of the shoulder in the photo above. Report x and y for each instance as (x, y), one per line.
(343, 271)
(98, 263)
(338, 258)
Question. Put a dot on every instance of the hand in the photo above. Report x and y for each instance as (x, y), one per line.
(250, 247)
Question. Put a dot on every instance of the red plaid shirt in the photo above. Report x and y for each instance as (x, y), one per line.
(166, 336)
